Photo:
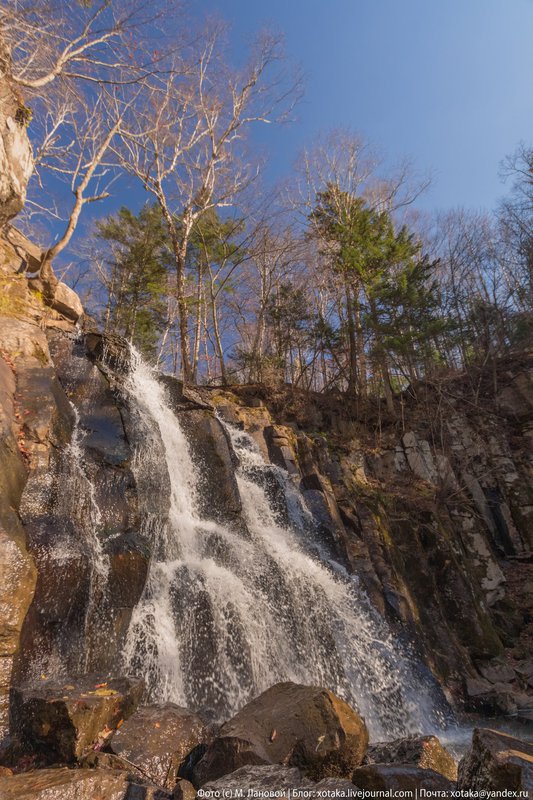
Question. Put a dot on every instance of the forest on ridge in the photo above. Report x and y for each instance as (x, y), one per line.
(330, 280)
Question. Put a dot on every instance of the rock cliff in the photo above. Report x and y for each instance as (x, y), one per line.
(16, 163)
(432, 512)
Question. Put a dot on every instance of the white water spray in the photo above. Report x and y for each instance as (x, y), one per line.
(225, 615)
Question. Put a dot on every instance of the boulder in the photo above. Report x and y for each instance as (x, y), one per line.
(498, 673)
(493, 698)
(77, 784)
(277, 781)
(333, 787)
(184, 790)
(67, 302)
(224, 755)
(496, 761)
(302, 726)
(61, 722)
(265, 778)
(425, 752)
(157, 739)
(406, 777)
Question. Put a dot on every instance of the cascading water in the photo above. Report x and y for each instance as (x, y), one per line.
(225, 615)
(71, 545)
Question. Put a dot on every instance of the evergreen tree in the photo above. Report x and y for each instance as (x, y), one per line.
(389, 297)
(137, 280)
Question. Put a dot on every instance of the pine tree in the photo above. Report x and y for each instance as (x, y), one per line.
(137, 278)
(389, 296)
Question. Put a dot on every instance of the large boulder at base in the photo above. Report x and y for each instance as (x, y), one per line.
(158, 738)
(425, 752)
(496, 761)
(62, 721)
(78, 784)
(302, 726)
(406, 777)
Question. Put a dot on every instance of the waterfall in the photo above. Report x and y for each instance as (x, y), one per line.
(224, 615)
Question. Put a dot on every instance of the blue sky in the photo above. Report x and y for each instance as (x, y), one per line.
(448, 83)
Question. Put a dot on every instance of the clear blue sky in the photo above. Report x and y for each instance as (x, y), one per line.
(446, 82)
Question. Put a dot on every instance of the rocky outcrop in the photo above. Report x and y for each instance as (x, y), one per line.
(496, 761)
(16, 163)
(433, 515)
(62, 722)
(425, 752)
(17, 570)
(157, 739)
(78, 784)
(266, 778)
(278, 781)
(400, 777)
(302, 726)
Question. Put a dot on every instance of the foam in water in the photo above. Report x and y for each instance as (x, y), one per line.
(225, 615)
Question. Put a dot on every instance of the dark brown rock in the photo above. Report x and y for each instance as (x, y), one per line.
(62, 722)
(497, 673)
(183, 790)
(223, 756)
(265, 778)
(78, 784)
(407, 777)
(303, 726)
(425, 752)
(219, 495)
(496, 761)
(158, 738)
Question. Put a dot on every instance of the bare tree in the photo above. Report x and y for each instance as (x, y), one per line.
(187, 144)
(81, 65)
(55, 40)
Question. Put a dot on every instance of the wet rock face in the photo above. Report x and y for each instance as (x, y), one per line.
(496, 761)
(265, 778)
(80, 511)
(220, 499)
(435, 519)
(62, 722)
(406, 777)
(17, 570)
(158, 738)
(425, 752)
(302, 726)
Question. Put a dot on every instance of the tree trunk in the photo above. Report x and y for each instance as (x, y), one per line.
(352, 342)
(218, 340)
